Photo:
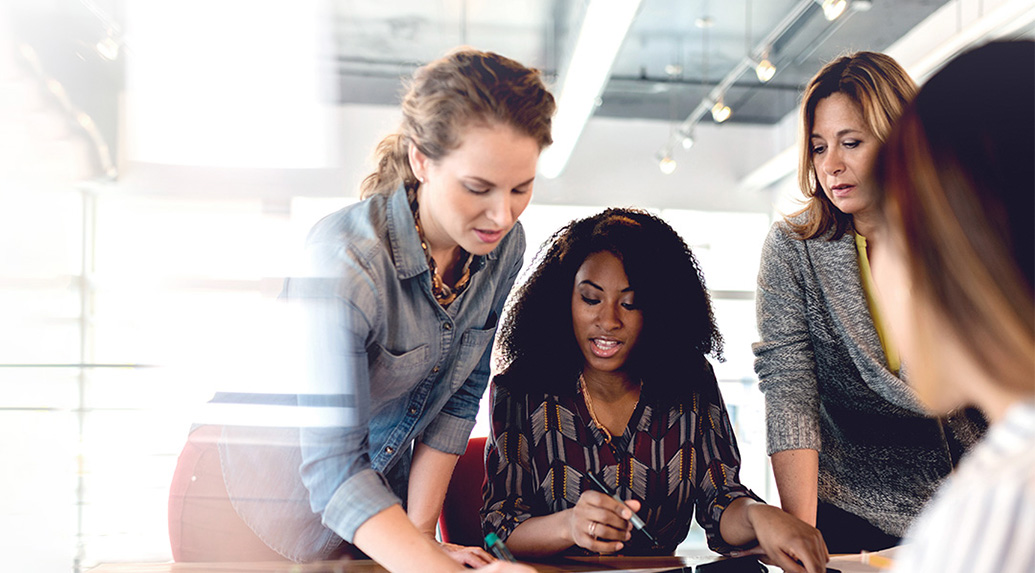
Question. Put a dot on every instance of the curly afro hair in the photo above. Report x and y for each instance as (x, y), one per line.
(537, 344)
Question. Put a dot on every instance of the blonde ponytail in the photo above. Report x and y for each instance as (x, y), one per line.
(393, 167)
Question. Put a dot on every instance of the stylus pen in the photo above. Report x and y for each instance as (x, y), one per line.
(498, 548)
(635, 519)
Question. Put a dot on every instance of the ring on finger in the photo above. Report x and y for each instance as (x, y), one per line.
(592, 528)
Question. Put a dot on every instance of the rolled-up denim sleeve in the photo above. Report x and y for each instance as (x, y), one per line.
(450, 430)
(448, 434)
(340, 308)
(359, 498)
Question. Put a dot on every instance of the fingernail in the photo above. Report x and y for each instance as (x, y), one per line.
(626, 514)
(619, 546)
(734, 553)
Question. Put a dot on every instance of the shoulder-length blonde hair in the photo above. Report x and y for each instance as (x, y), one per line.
(462, 88)
(959, 200)
(881, 89)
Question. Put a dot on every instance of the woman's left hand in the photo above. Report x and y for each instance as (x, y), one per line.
(787, 541)
(470, 556)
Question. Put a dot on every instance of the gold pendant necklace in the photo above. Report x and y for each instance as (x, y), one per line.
(592, 413)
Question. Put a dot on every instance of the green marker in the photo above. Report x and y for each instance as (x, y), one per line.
(498, 548)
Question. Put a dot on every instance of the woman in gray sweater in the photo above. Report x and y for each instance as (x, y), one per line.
(852, 450)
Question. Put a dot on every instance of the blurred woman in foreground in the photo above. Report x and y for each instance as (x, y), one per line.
(956, 275)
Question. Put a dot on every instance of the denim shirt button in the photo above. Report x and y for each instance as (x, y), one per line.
(389, 449)
(413, 409)
(447, 326)
(435, 370)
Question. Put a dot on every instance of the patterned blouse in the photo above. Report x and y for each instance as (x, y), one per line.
(672, 457)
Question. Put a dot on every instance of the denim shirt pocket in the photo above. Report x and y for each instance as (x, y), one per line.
(392, 375)
(472, 347)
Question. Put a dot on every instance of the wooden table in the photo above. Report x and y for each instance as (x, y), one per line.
(687, 560)
(573, 564)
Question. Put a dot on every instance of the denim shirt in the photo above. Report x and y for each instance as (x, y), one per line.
(395, 363)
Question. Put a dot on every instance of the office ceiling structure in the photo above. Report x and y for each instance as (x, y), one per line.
(672, 61)
(675, 52)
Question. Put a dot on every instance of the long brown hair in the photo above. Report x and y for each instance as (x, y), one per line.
(466, 86)
(960, 203)
(881, 89)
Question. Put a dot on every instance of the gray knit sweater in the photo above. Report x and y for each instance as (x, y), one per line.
(827, 386)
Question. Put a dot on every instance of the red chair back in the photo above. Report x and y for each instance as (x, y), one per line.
(460, 522)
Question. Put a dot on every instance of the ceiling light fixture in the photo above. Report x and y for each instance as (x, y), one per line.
(688, 141)
(803, 9)
(108, 48)
(667, 165)
(832, 9)
(765, 70)
(604, 27)
(720, 111)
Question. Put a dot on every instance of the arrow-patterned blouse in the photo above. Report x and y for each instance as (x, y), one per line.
(672, 457)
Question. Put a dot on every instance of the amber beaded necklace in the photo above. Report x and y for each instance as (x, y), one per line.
(443, 293)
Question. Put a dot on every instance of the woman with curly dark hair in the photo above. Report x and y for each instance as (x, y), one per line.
(604, 375)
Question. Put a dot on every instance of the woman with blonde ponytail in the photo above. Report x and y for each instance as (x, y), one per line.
(432, 253)
(402, 299)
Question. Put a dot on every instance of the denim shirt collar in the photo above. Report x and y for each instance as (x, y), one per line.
(407, 253)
